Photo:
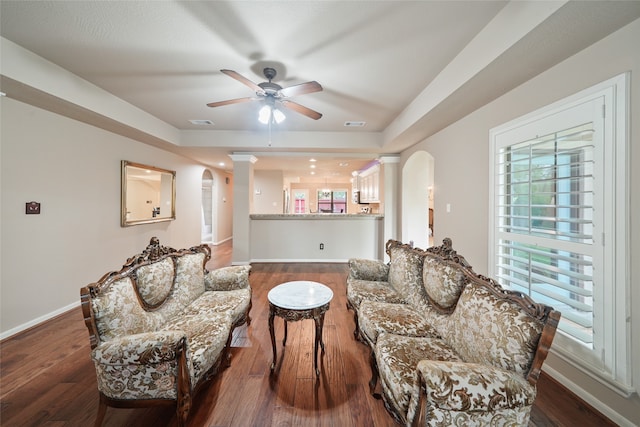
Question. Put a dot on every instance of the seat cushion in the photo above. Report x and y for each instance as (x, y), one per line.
(212, 303)
(375, 318)
(397, 358)
(207, 336)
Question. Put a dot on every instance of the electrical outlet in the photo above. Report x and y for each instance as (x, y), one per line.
(321, 246)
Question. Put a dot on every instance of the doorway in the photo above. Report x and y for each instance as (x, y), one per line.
(207, 207)
(417, 199)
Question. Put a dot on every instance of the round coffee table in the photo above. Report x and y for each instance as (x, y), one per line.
(299, 300)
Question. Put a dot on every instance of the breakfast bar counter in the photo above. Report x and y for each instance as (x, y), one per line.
(316, 237)
(324, 216)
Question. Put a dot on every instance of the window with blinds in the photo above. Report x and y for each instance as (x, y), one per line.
(559, 219)
(545, 204)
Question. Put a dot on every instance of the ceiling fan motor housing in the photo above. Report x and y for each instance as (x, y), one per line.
(269, 87)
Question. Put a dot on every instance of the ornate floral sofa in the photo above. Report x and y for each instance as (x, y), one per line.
(448, 346)
(162, 326)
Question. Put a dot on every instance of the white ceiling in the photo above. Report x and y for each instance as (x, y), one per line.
(406, 68)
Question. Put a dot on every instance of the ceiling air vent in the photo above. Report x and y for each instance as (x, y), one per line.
(202, 122)
(354, 124)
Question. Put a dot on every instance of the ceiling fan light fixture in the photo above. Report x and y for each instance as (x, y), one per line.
(278, 116)
(264, 115)
(268, 113)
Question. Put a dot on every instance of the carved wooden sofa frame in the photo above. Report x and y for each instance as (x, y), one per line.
(231, 279)
(391, 341)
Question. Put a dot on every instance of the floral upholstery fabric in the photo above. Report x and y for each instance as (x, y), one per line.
(190, 276)
(227, 278)
(405, 274)
(136, 352)
(489, 330)
(445, 341)
(206, 339)
(359, 290)
(141, 366)
(397, 357)
(155, 281)
(234, 303)
(443, 282)
(189, 285)
(368, 269)
(471, 394)
(376, 317)
(118, 313)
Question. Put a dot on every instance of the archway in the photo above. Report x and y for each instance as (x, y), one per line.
(207, 230)
(417, 199)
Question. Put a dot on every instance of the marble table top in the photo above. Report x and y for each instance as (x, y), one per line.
(300, 295)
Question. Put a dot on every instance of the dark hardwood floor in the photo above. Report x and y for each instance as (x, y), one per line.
(48, 379)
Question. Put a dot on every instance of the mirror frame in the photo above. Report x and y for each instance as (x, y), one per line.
(124, 221)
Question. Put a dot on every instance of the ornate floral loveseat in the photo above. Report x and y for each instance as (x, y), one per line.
(162, 326)
(448, 346)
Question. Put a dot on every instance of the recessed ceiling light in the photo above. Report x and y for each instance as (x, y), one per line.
(343, 164)
(204, 122)
(313, 166)
(312, 160)
(354, 124)
(313, 172)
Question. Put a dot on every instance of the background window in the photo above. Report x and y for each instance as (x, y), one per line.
(332, 201)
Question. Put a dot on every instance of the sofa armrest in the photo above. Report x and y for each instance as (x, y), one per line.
(471, 387)
(227, 278)
(368, 269)
(151, 365)
(141, 349)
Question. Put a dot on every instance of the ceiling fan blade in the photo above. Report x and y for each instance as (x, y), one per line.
(229, 101)
(242, 79)
(301, 89)
(301, 109)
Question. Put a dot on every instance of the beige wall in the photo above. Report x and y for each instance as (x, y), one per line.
(268, 189)
(461, 156)
(73, 170)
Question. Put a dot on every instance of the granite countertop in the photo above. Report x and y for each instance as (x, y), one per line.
(317, 216)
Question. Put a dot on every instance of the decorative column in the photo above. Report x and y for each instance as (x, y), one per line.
(242, 206)
(390, 207)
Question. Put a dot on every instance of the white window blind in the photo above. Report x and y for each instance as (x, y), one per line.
(545, 201)
(559, 218)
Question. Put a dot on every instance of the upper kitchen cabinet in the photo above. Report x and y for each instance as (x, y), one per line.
(369, 185)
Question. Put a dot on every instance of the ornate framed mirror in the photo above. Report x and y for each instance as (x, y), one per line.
(148, 194)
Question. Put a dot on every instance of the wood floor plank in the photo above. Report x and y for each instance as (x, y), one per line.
(48, 379)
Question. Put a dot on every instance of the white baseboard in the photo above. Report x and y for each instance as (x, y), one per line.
(37, 321)
(589, 398)
(211, 242)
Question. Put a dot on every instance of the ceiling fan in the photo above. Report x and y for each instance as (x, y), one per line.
(273, 94)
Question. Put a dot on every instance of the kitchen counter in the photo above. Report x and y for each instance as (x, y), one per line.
(317, 216)
(316, 237)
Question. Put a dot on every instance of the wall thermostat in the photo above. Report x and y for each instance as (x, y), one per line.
(32, 208)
